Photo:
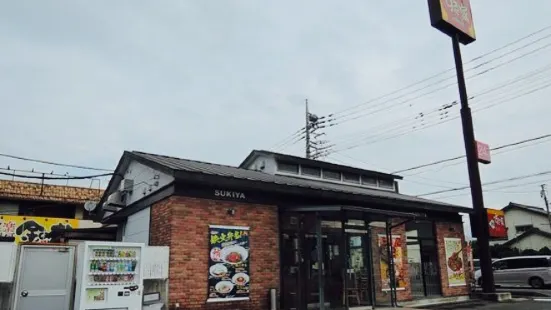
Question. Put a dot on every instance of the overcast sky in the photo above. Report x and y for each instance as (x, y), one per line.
(81, 81)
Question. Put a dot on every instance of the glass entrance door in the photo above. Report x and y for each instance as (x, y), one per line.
(326, 263)
(358, 284)
(423, 260)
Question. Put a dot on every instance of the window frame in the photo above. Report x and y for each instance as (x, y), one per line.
(306, 167)
(324, 171)
(520, 229)
(391, 184)
(279, 165)
(364, 178)
(503, 262)
(351, 181)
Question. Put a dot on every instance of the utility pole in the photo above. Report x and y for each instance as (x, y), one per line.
(544, 196)
(307, 127)
(315, 147)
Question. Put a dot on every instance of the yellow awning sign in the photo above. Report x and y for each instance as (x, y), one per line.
(32, 228)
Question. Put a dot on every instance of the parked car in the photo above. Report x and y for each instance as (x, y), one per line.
(534, 271)
(476, 263)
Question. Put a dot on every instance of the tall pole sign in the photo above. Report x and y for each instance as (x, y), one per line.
(454, 18)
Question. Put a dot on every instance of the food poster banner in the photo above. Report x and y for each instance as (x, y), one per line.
(33, 229)
(398, 258)
(454, 262)
(228, 263)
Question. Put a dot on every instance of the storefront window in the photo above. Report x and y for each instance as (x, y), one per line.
(422, 260)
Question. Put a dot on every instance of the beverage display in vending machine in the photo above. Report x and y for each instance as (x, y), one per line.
(109, 276)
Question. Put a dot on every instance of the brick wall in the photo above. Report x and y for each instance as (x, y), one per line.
(47, 192)
(383, 297)
(182, 223)
(450, 230)
(160, 228)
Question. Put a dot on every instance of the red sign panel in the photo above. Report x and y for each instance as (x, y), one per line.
(496, 223)
(483, 152)
(453, 17)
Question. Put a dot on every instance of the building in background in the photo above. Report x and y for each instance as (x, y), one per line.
(520, 226)
(528, 227)
(29, 211)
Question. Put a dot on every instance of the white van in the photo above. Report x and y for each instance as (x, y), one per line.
(534, 271)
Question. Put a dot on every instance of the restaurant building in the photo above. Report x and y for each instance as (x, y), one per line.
(315, 232)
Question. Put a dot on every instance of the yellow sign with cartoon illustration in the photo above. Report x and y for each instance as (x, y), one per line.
(32, 228)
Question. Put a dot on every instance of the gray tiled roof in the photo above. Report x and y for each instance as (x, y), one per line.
(179, 164)
(526, 207)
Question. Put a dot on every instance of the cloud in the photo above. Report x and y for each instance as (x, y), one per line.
(209, 80)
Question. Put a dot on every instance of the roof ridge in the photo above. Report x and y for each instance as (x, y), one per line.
(341, 165)
(193, 160)
(526, 206)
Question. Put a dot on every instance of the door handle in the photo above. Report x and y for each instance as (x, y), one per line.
(24, 293)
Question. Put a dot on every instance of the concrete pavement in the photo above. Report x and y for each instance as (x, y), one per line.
(538, 303)
(524, 291)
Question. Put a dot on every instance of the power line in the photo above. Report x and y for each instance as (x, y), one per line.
(463, 156)
(498, 189)
(460, 162)
(443, 110)
(34, 171)
(405, 180)
(56, 178)
(355, 116)
(331, 118)
(489, 183)
(447, 70)
(289, 138)
(448, 119)
(53, 163)
(451, 77)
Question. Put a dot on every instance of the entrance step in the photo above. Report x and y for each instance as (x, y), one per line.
(420, 303)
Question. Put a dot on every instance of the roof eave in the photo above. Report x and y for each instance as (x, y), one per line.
(215, 180)
(126, 158)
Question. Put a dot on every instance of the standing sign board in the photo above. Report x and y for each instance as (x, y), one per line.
(229, 263)
(454, 18)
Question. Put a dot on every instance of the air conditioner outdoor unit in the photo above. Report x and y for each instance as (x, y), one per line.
(127, 185)
(116, 199)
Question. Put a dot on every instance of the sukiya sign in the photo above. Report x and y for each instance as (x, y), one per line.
(229, 194)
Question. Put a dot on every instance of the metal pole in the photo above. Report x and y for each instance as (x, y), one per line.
(320, 261)
(370, 264)
(307, 137)
(345, 258)
(481, 216)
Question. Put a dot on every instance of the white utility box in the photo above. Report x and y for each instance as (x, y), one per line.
(8, 261)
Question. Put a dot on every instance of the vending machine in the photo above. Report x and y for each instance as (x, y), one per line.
(109, 276)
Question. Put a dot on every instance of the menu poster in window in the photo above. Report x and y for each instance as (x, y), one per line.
(229, 263)
(454, 262)
(397, 257)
